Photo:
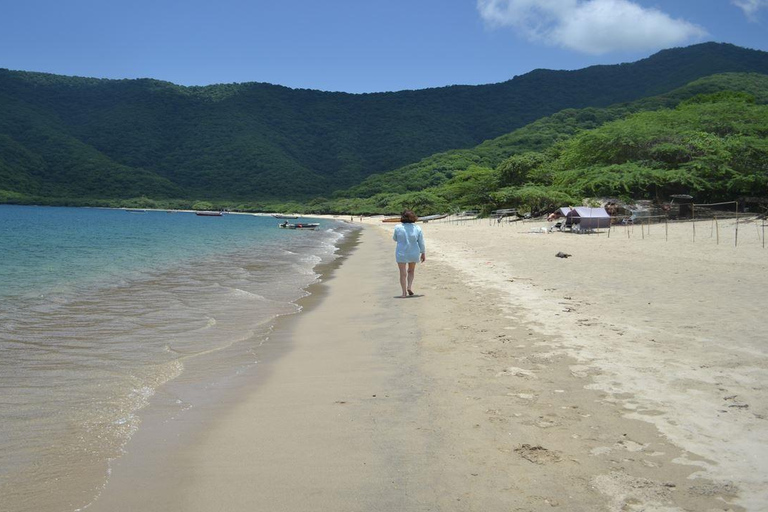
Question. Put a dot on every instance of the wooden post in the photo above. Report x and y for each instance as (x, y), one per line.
(693, 219)
(717, 229)
(666, 228)
(763, 232)
(736, 238)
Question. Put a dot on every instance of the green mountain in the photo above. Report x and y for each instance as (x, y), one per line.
(543, 133)
(709, 138)
(69, 137)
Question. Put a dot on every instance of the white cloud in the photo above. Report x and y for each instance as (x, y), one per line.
(750, 7)
(590, 26)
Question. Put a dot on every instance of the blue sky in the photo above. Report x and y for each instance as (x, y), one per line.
(357, 45)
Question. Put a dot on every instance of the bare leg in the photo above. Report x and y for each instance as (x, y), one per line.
(403, 275)
(411, 274)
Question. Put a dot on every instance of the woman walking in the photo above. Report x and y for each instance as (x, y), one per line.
(410, 250)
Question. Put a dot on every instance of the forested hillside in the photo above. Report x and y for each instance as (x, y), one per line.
(709, 138)
(90, 139)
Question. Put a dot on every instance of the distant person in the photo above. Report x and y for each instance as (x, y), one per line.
(410, 250)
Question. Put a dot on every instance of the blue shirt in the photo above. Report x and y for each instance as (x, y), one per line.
(410, 243)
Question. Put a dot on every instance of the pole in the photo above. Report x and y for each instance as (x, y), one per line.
(736, 238)
(694, 230)
(717, 229)
(666, 228)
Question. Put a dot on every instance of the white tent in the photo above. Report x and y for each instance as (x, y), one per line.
(586, 217)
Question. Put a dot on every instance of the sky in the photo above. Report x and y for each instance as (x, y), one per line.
(357, 45)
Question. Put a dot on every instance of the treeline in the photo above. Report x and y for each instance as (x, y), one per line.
(82, 140)
(707, 139)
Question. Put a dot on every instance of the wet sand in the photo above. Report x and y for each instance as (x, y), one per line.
(630, 376)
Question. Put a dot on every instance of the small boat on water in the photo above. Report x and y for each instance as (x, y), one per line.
(136, 211)
(209, 214)
(284, 216)
(303, 225)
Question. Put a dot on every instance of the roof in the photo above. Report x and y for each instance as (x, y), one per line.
(586, 212)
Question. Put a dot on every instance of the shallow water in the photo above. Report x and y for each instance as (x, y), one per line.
(100, 308)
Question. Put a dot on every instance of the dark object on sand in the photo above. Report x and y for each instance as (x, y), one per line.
(562, 255)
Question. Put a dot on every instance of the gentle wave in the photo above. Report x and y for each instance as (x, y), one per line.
(89, 339)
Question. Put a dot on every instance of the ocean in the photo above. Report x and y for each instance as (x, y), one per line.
(100, 309)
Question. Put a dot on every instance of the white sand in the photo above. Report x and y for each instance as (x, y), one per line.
(673, 332)
(627, 377)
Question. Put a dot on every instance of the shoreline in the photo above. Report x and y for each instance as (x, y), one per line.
(164, 467)
(513, 380)
(166, 427)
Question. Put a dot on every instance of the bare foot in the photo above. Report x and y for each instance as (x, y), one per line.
(409, 293)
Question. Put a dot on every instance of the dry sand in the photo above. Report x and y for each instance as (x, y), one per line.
(629, 376)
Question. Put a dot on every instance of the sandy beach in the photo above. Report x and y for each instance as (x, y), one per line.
(629, 376)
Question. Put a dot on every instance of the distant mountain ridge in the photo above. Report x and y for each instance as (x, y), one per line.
(94, 138)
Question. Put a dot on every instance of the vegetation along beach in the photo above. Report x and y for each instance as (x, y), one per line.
(200, 304)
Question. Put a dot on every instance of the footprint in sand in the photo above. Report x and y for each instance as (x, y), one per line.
(538, 454)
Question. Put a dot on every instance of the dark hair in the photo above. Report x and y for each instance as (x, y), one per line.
(408, 217)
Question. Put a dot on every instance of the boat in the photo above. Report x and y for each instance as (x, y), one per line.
(136, 211)
(432, 217)
(303, 225)
(284, 216)
(420, 219)
(209, 214)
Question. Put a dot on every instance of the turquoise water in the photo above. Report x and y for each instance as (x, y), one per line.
(99, 309)
(59, 249)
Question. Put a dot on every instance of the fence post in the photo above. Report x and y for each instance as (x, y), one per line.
(717, 229)
(736, 238)
(693, 219)
(693, 222)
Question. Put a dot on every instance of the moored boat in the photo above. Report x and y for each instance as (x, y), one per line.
(284, 216)
(302, 225)
(209, 214)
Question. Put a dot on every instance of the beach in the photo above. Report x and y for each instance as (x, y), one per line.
(628, 376)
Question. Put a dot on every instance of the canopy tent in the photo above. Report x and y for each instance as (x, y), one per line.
(586, 217)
